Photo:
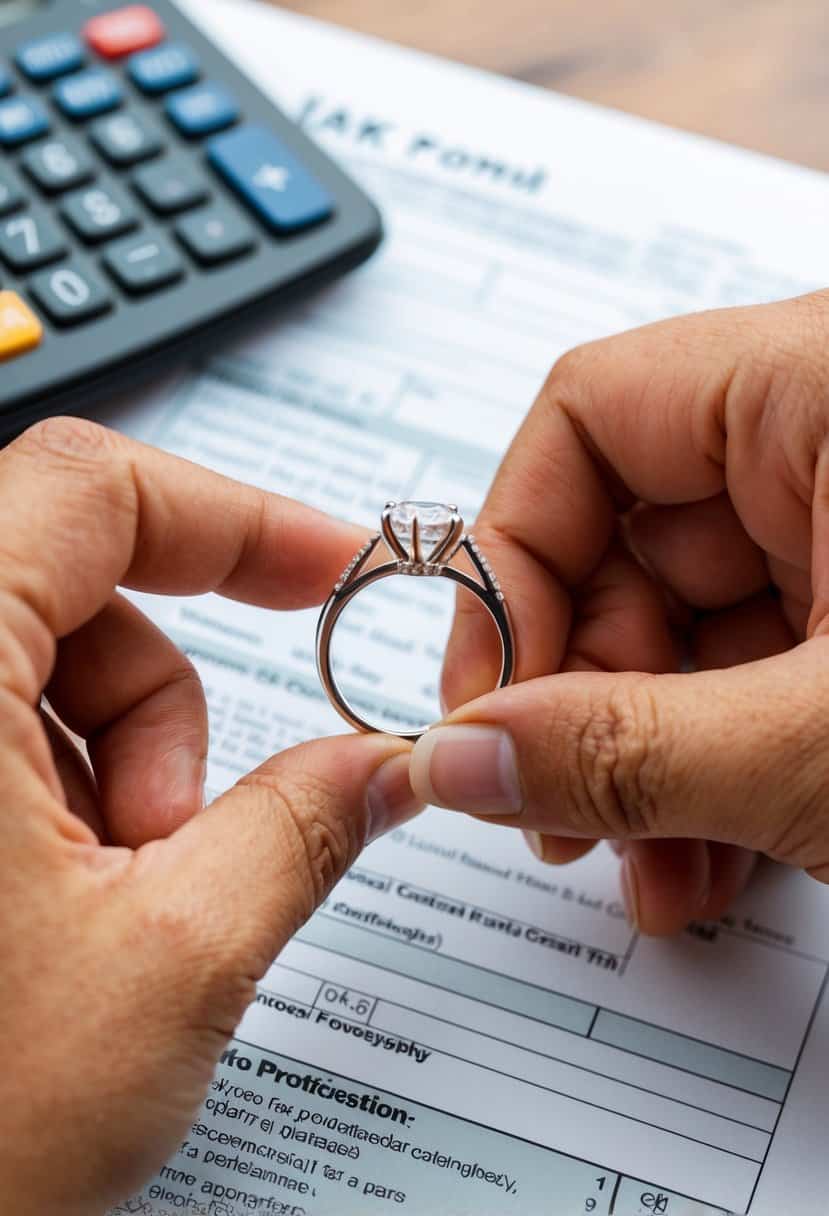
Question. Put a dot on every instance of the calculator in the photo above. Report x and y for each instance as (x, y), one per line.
(152, 199)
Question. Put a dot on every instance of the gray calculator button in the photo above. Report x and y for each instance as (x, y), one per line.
(70, 294)
(144, 263)
(99, 213)
(11, 196)
(30, 240)
(57, 164)
(170, 186)
(125, 139)
(215, 235)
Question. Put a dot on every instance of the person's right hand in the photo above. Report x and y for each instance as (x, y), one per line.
(674, 476)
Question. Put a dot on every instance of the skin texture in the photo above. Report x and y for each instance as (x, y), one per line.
(135, 922)
(666, 502)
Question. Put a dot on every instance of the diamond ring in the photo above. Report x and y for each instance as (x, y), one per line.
(423, 539)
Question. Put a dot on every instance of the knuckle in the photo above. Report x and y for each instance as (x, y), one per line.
(88, 459)
(69, 439)
(320, 841)
(619, 763)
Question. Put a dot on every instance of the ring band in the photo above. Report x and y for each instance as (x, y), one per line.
(423, 538)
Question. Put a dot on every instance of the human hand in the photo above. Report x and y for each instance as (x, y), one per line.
(134, 923)
(672, 481)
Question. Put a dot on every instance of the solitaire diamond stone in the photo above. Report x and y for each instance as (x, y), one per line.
(434, 523)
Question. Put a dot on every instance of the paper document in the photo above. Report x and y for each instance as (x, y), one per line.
(460, 1029)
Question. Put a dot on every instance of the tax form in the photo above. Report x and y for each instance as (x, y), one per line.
(460, 1029)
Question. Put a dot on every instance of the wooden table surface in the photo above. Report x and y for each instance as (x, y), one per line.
(755, 72)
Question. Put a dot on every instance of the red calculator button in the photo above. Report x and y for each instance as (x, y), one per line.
(124, 31)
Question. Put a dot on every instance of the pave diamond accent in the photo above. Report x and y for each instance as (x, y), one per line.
(434, 524)
(358, 557)
(489, 573)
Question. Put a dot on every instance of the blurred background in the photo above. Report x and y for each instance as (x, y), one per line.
(754, 72)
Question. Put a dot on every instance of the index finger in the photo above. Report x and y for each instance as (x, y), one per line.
(83, 509)
(644, 416)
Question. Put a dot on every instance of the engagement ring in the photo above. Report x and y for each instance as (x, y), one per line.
(423, 538)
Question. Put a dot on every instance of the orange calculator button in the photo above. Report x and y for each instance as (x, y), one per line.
(20, 329)
(123, 31)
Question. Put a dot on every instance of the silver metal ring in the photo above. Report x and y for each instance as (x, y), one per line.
(423, 538)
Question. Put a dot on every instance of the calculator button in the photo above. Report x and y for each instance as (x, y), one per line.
(125, 139)
(270, 179)
(6, 82)
(99, 213)
(167, 67)
(170, 186)
(124, 30)
(88, 94)
(202, 110)
(21, 119)
(11, 196)
(144, 263)
(20, 329)
(70, 294)
(30, 240)
(57, 164)
(215, 235)
(47, 58)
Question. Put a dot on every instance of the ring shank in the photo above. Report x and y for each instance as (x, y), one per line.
(339, 600)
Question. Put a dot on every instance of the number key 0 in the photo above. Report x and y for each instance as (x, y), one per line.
(70, 294)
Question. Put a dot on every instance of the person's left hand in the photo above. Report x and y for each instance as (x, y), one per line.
(135, 923)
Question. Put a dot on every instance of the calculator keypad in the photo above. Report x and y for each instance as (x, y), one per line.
(123, 31)
(202, 110)
(125, 139)
(89, 93)
(22, 119)
(214, 234)
(164, 68)
(47, 58)
(70, 294)
(57, 165)
(30, 240)
(11, 196)
(270, 179)
(20, 329)
(99, 213)
(144, 263)
(170, 186)
(98, 141)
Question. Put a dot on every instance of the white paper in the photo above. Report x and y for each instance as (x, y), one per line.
(461, 1029)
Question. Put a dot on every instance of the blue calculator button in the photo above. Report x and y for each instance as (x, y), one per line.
(270, 179)
(5, 81)
(21, 119)
(166, 67)
(88, 94)
(50, 57)
(202, 110)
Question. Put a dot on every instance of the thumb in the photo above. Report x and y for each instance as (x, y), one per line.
(239, 879)
(736, 755)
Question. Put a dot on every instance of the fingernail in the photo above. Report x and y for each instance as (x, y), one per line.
(535, 843)
(630, 890)
(182, 774)
(468, 768)
(389, 796)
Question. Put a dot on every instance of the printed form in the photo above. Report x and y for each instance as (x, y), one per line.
(460, 1029)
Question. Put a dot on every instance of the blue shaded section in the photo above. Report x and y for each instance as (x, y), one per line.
(165, 67)
(47, 58)
(21, 119)
(270, 179)
(202, 110)
(89, 93)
